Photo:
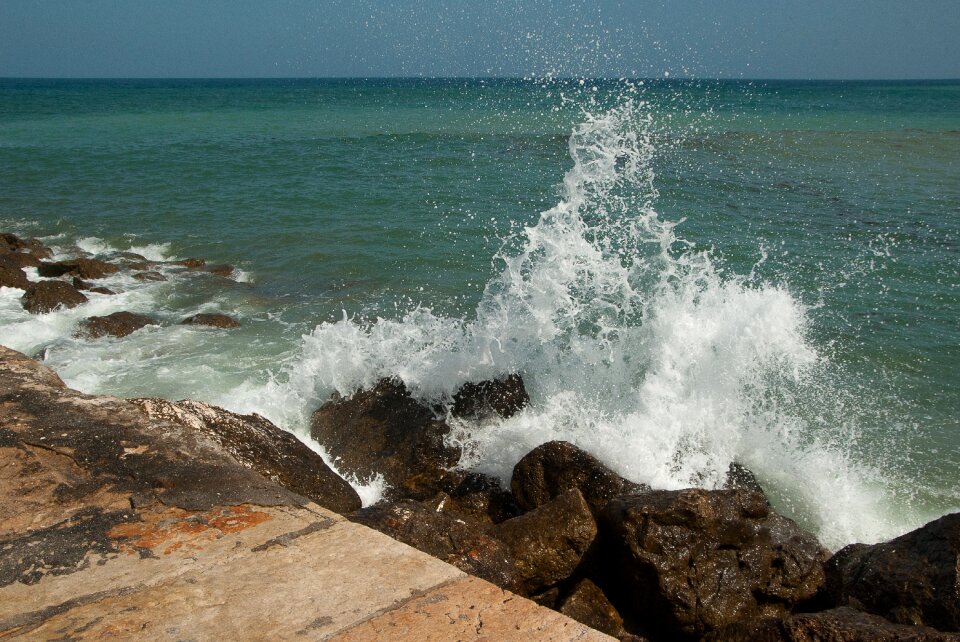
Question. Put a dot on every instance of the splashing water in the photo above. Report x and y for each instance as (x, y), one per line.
(632, 346)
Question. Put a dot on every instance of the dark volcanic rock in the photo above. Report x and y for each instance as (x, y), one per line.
(149, 276)
(913, 579)
(118, 324)
(211, 319)
(556, 467)
(12, 276)
(481, 498)
(83, 268)
(837, 625)
(385, 431)
(691, 561)
(587, 604)
(468, 546)
(256, 443)
(47, 296)
(504, 397)
(549, 542)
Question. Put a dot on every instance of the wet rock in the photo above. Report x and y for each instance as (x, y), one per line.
(913, 579)
(739, 476)
(82, 267)
(80, 284)
(118, 324)
(468, 546)
(191, 263)
(587, 604)
(687, 562)
(836, 625)
(556, 467)
(256, 443)
(385, 431)
(12, 276)
(215, 320)
(13, 244)
(503, 397)
(549, 542)
(18, 260)
(222, 269)
(149, 276)
(138, 266)
(481, 498)
(47, 296)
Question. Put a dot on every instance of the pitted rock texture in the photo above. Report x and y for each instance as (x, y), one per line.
(118, 324)
(47, 296)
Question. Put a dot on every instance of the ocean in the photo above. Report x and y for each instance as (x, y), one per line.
(685, 273)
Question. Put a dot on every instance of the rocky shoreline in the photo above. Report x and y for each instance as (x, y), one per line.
(98, 477)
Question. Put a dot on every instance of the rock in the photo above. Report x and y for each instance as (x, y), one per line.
(13, 244)
(118, 324)
(191, 263)
(468, 546)
(385, 431)
(80, 284)
(215, 320)
(741, 477)
(47, 296)
(223, 269)
(18, 260)
(913, 579)
(82, 267)
(256, 443)
(149, 276)
(837, 625)
(556, 467)
(503, 397)
(549, 542)
(587, 604)
(691, 561)
(481, 498)
(138, 266)
(12, 277)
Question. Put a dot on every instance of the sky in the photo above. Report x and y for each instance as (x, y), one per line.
(815, 39)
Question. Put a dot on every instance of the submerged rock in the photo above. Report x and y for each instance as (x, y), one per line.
(385, 431)
(118, 324)
(912, 579)
(691, 561)
(149, 276)
(504, 397)
(225, 270)
(214, 320)
(81, 267)
(256, 443)
(46, 296)
(553, 468)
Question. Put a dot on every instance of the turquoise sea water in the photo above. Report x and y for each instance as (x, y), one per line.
(801, 317)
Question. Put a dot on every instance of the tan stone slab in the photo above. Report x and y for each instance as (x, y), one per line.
(470, 609)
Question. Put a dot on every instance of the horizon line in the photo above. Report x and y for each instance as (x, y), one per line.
(483, 78)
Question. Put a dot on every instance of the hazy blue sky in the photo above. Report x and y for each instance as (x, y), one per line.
(703, 38)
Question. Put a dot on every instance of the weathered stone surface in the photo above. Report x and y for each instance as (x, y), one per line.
(549, 542)
(385, 431)
(214, 320)
(913, 579)
(11, 276)
(13, 244)
(149, 276)
(18, 260)
(223, 269)
(256, 443)
(553, 468)
(467, 545)
(480, 498)
(739, 476)
(504, 397)
(587, 604)
(691, 561)
(191, 262)
(118, 324)
(46, 296)
(836, 625)
(81, 267)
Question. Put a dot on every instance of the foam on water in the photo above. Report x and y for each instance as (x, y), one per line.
(632, 346)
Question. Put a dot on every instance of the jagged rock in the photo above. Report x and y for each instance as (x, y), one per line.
(549, 542)
(211, 319)
(80, 284)
(690, 561)
(587, 604)
(118, 324)
(12, 276)
(13, 244)
(836, 625)
(46, 296)
(739, 476)
(468, 546)
(556, 467)
(82, 267)
(18, 260)
(912, 579)
(149, 276)
(138, 266)
(256, 443)
(191, 263)
(385, 431)
(504, 397)
(481, 498)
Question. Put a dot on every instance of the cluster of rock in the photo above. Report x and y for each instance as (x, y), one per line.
(64, 283)
(631, 561)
